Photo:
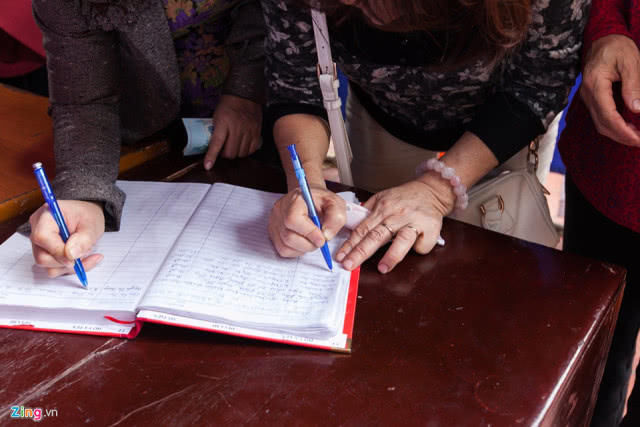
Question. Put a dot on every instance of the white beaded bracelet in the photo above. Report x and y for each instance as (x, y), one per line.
(448, 174)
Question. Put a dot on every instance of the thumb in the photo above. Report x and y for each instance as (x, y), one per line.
(630, 74)
(80, 243)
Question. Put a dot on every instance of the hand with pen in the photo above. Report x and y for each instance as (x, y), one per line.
(85, 221)
(408, 216)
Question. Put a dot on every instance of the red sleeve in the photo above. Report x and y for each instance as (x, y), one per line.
(607, 17)
(17, 21)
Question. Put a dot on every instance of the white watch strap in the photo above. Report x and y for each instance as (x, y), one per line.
(328, 79)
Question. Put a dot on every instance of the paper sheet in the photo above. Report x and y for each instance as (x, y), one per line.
(225, 266)
(154, 214)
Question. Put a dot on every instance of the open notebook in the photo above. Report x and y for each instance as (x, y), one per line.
(190, 255)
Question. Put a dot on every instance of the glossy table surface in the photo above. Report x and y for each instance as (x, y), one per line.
(487, 330)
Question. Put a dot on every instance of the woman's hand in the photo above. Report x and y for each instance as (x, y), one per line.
(410, 215)
(611, 59)
(237, 123)
(292, 231)
(85, 221)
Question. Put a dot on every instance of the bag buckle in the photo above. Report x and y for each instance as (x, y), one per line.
(483, 210)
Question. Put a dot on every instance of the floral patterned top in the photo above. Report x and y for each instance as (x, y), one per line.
(392, 74)
(200, 30)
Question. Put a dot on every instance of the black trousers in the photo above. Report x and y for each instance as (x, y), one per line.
(587, 232)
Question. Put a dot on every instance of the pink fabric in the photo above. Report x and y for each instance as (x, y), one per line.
(21, 49)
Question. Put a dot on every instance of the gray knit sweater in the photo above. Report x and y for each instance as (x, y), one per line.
(113, 79)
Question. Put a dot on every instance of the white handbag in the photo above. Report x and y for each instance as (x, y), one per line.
(512, 203)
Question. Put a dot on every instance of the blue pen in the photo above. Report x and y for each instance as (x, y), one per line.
(306, 195)
(47, 193)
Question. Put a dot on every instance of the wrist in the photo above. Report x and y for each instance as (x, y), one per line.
(441, 190)
(314, 176)
(438, 172)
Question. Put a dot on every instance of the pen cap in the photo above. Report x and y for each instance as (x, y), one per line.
(43, 181)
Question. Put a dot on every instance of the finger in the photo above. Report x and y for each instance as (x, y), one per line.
(630, 73)
(88, 263)
(606, 117)
(79, 244)
(367, 246)
(428, 239)
(295, 243)
(44, 259)
(232, 146)
(255, 143)
(45, 239)
(282, 249)
(357, 235)
(297, 220)
(361, 230)
(371, 202)
(218, 138)
(402, 243)
(245, 145)
(334, 215)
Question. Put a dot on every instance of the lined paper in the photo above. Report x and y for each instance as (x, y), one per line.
(224, 266)
(154, 215)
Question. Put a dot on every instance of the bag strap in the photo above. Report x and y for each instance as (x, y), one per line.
(329, 83)
(532, 154)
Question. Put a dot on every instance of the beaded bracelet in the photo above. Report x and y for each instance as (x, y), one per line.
(448, 174)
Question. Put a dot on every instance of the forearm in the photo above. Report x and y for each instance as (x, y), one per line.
(84, 97)
(311, 136)
(470, 158)
(245, 47)
(606, 17)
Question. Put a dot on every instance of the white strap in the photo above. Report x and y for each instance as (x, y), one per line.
(329, 83)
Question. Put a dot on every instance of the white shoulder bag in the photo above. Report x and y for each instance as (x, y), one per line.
(513, 203)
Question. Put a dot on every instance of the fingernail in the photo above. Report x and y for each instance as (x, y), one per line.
(348, 265)
(74, 252)
(636, 104)
(318, 242)
(340, 256)
(383, 268)
(208, 164)
(327, 235)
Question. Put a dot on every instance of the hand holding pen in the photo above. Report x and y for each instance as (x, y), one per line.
(306, 195)
(84, 223)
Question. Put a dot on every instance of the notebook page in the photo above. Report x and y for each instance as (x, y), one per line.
(224, 266)
(154, 215)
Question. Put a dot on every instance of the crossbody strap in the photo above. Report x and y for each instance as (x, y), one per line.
(328, 78)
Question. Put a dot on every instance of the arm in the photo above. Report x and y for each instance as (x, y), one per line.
(533, 87)
(238, 115)
(84, 96)
(295, 103)
(245, 47)
(83, 66)
(611, 55)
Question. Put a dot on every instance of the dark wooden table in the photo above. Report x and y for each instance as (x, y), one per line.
(487, 330)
